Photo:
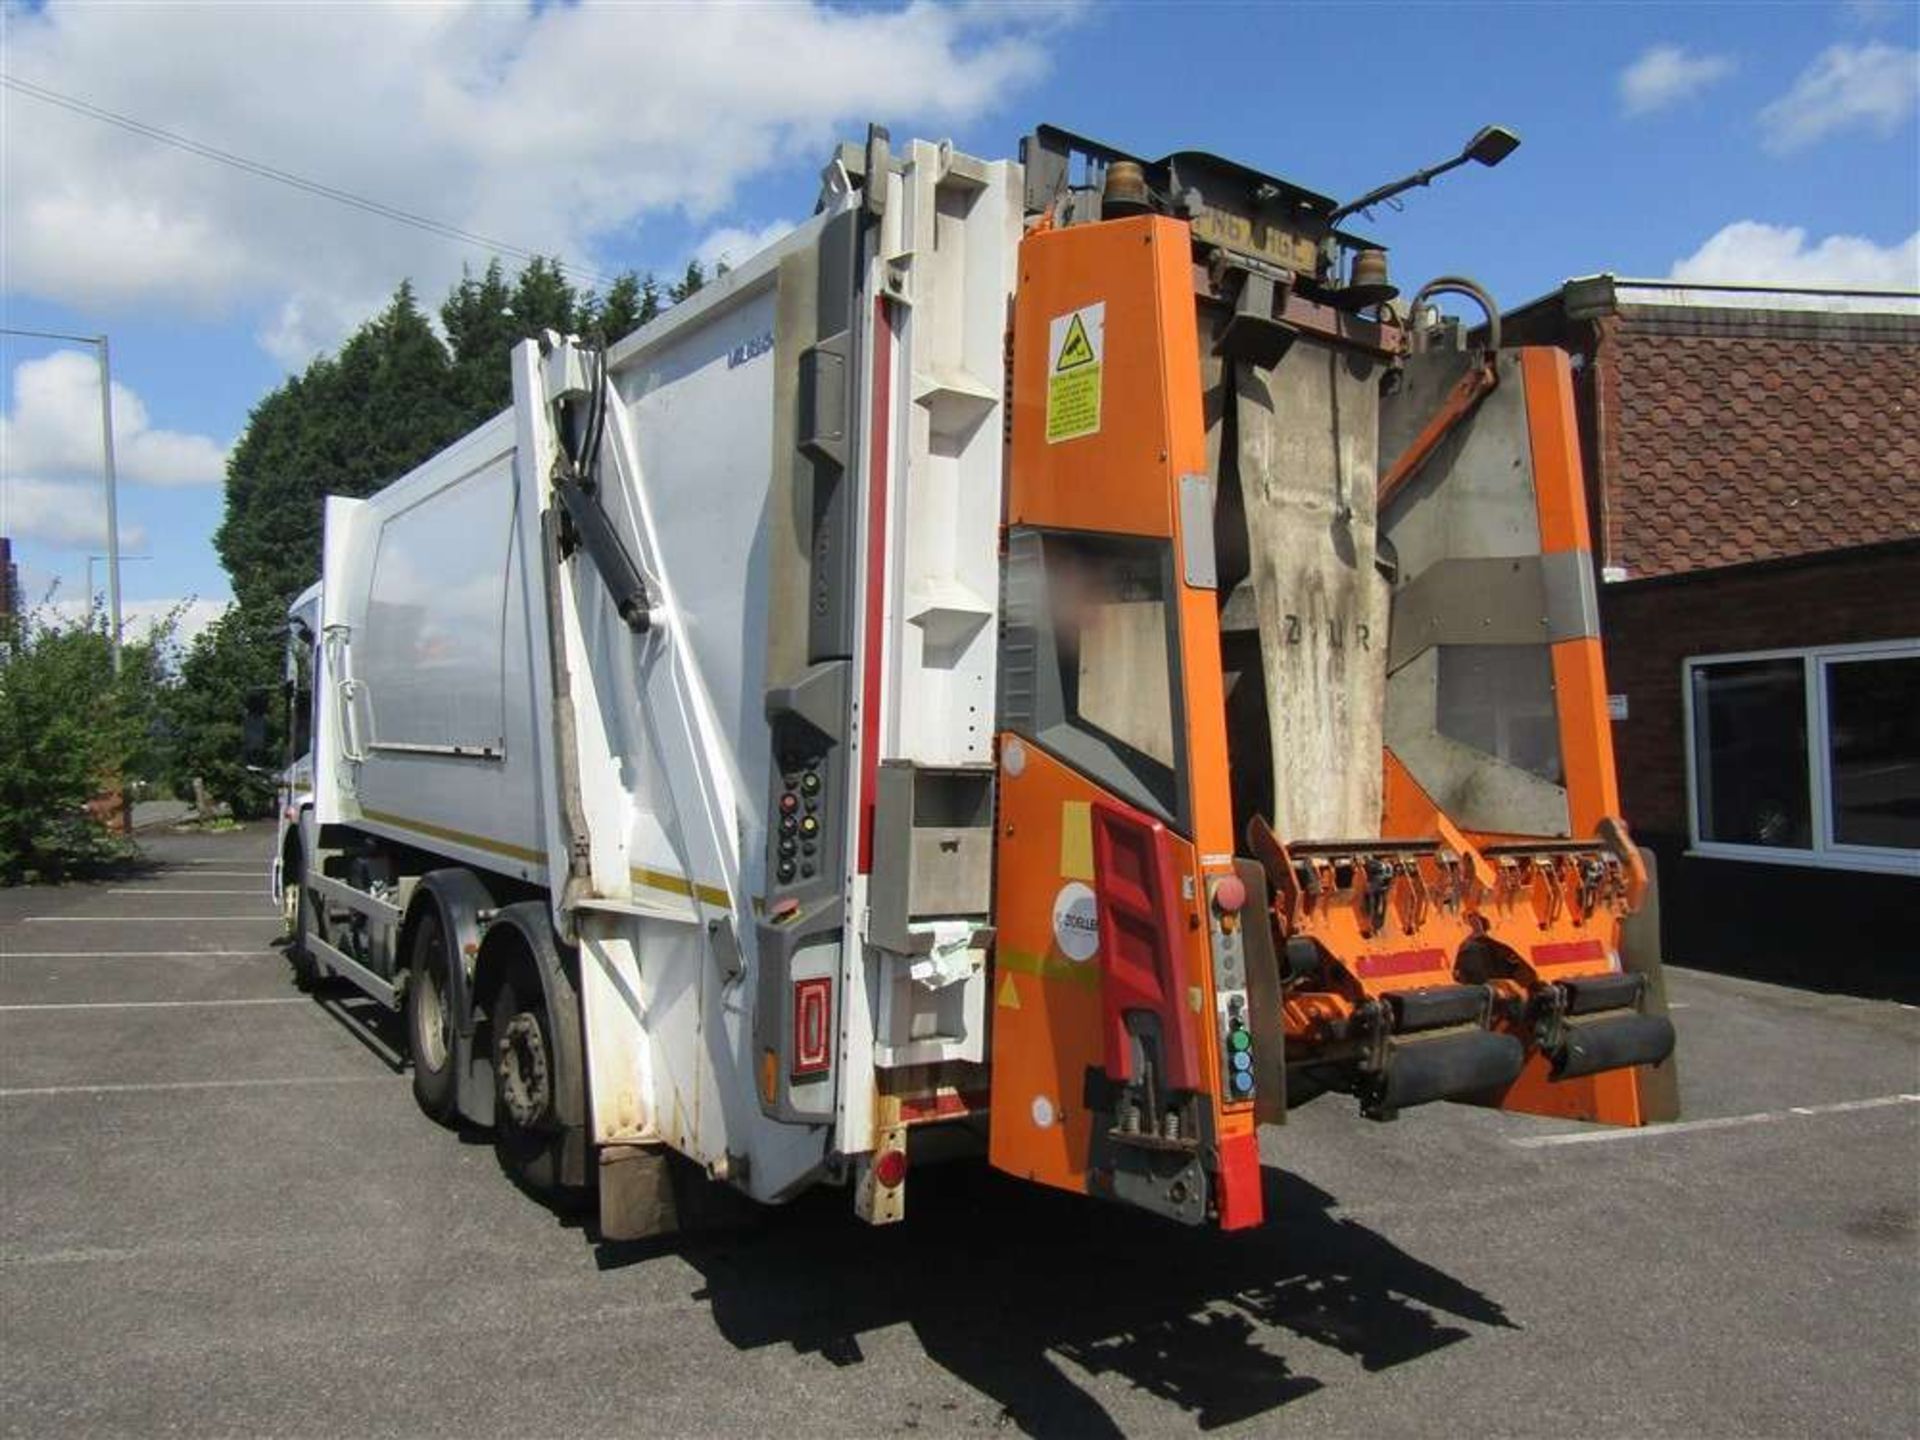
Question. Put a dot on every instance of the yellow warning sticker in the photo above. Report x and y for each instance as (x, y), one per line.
(1076, 344)
(1009, 995)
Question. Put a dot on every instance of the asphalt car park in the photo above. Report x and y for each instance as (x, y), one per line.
(222, 1214)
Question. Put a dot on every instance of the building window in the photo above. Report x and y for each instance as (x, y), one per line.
(1807, 756)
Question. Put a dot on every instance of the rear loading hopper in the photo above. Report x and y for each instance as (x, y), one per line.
(1304, 720)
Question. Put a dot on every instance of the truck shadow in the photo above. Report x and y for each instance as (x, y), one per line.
(1000, 1282)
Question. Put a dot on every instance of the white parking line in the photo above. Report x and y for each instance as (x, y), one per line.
(36, 1091)
(176, 890)
(153, 1004)
(254, 919)
(1716, 1122)
(5, 955)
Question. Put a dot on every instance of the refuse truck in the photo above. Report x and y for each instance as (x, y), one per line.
(1050, 661)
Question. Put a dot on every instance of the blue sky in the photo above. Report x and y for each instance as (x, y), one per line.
(1773, 143)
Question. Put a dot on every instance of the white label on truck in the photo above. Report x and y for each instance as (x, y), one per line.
(1076, 345)
(1076, 921)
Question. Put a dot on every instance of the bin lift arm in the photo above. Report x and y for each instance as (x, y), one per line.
(576, 468)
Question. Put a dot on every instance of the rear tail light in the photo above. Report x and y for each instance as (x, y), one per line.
(812, 1026)
(890, 1168)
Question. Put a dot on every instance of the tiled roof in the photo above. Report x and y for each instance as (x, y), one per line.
(1723, 449)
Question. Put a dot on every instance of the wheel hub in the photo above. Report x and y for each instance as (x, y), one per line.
(436, 1029)
(523, 1070)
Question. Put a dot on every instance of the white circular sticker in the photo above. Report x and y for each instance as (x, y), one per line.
(1076, 921)
(1042, 1111)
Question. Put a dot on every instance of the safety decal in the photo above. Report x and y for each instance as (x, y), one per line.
(1076, 921)
(1076, 344)
(1009, 994)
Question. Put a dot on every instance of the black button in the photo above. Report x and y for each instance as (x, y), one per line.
(806, 871)
(807, 847)
(786, 847)
(787, 824)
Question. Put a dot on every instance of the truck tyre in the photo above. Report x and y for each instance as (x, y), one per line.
(430, 1018)
(527, 1128)
(306, 972)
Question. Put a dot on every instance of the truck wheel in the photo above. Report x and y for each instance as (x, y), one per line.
(306, 973)
(527, 1127)
(430, 1019)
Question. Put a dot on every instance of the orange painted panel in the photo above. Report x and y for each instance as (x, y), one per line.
(1553, 428)
(1118, 478)
(1046, 999)
(1122, 477)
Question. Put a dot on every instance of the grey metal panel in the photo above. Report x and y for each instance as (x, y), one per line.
(828, 443)
(1196, 532)
(1475, 495)
(1517, 600)
(1573, 597)
(1307, 434)
(808, 695)
(1422, 388)
(928, 861)
(1477, 791)
(795, 325)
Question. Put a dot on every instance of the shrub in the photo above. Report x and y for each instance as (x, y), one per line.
(70, 733)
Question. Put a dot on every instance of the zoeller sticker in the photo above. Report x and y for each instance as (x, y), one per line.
(1076, 344)
(1076, 921)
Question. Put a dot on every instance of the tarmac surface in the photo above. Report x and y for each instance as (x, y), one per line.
(221, 1213)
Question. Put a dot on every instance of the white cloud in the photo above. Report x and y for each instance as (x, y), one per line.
(1666, 75)
(54, 429)
(307, 323)
(1751, 252)
(190, 615)
(1870, 87)
(66, 513)
(735, 243)
(554, 127)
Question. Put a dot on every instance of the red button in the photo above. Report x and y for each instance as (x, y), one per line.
(1229, 894)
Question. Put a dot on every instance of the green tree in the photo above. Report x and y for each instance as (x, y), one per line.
(71, 735)
(347, 426)
(232, 668)
(689, 283)
(481, 327)
(650, 305)
(624, 309)
(543, 300)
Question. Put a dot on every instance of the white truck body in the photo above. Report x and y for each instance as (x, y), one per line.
(633, 791)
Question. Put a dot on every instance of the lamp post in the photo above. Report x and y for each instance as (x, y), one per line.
(99, 344)
(124, 560)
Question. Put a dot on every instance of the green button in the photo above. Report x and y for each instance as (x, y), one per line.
(1240, 1040)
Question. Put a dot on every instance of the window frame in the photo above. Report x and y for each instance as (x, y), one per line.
(1826, 852)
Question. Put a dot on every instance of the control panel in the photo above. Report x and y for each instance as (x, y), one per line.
(1226, 899)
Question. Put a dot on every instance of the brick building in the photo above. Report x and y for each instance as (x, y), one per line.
(9, 584)
(1753, 462)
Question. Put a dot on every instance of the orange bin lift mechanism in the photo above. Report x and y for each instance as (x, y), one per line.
(1391, 916)
(1439, 962)
(1551, 911)
(1110, 1071)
